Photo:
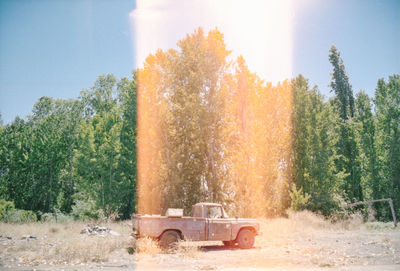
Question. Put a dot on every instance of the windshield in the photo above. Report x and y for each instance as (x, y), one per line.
(216, 212)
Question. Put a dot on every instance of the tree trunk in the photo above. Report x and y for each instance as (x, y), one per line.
(51, 185)
(71, 181)
(102, 191)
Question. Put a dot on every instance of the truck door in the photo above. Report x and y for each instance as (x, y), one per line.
(219, 228)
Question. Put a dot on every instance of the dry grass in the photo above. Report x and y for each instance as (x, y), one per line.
(304, 223)
(59, 243)
(144, 247)
(62, 243)
(189, 249)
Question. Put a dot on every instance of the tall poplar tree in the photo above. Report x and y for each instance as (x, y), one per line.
(347, 147)
(186, 85)
(387, 107)
(313, 149)
(365, 137)
(98, 154)
(127, 159)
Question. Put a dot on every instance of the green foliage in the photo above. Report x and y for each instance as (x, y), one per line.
(20, 216)
(298, 198)
(36, 153)
(314, 154)
(182, 99)
(344, 106)
(108, 139)
(366, 144)
(56, 216)
(211, 130)
(387, 138)
(70, 146)
(86, 210)
(5, 208)
(127, 159)
(9, 214)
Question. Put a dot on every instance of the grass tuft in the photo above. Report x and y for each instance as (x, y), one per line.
(146, 246)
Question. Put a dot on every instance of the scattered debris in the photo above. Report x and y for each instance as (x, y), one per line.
(97, 230)
(5, 238)
(28, 237)
(130, 250)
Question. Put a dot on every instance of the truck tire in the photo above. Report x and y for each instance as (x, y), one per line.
(245, 239)
(169, 239)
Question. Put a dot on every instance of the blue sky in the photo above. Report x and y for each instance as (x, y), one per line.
(366, 32)
(57, 48)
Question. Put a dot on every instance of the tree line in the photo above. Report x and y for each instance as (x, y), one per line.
(77, 151)
(207, 129)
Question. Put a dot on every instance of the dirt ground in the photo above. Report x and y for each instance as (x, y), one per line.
(300, 242)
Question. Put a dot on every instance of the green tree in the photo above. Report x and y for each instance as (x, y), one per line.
(365, 136)
(34, 154)
(50, 151)
(14, 162)
(180, 126)
(313, 148)
(127, 159)
(341, 86)
(71, 112)
(346, 147)
(99, 150)
(387, 107)
(196, 111)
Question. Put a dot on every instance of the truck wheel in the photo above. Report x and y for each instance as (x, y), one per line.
(229, 243)
(169, 239)
(245, 239)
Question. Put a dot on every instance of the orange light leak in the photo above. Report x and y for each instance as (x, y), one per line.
(254, 168)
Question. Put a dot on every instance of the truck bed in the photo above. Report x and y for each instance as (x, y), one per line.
(193, 228)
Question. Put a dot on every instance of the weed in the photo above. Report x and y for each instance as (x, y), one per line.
(146, 245)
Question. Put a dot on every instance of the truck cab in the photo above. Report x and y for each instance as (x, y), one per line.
(219, 227)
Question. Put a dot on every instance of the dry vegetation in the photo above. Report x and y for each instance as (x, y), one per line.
(303, 239)
(62, 244)
(58, 243)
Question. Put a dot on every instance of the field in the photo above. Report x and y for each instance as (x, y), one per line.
(303, 241)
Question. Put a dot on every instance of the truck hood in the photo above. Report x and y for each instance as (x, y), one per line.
(245, 222)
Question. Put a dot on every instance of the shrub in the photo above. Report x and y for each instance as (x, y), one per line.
(21, 216)
(56, 216)
(9, 214)
(5, 208)
(298, 199)
(86, 210)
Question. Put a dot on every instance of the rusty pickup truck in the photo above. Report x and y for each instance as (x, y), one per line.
(208, 223)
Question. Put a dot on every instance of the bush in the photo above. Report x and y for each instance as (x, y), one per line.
(57, 216)
(21, 216)
(379, 226)
(9, 214)
(5, 208)
(298, 199)
(86, 210)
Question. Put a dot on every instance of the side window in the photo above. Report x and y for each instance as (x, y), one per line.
(214, 212)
